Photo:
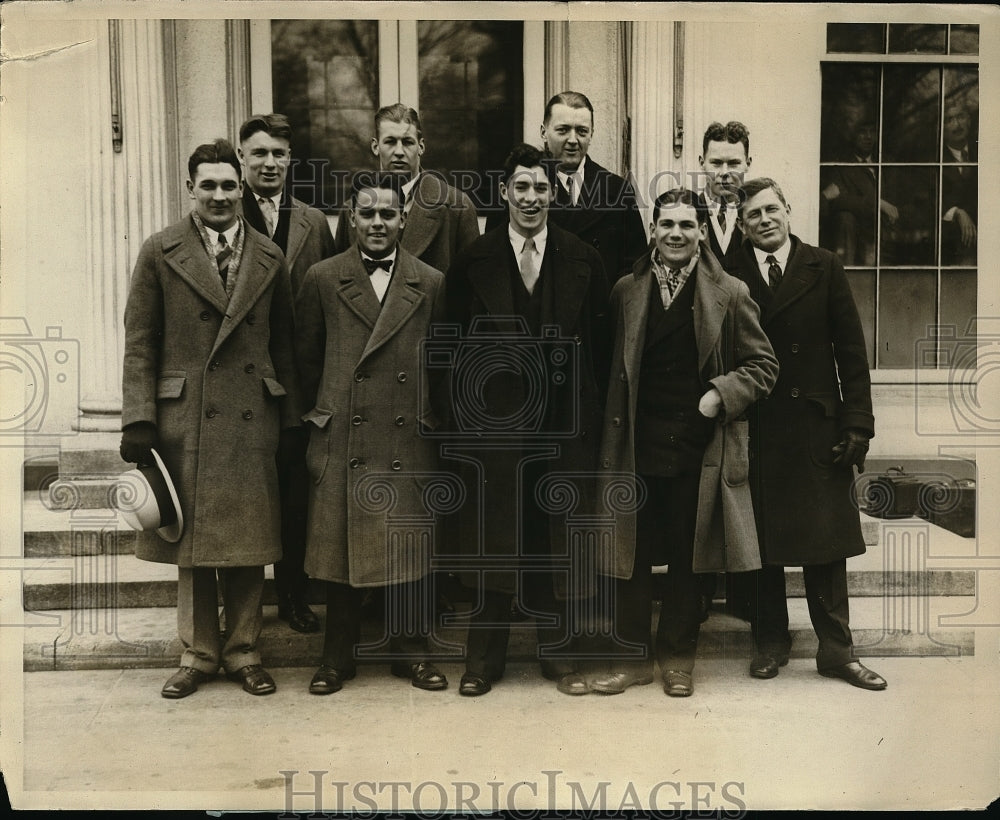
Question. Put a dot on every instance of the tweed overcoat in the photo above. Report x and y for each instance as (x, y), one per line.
(369, 458)
(804, 503)
(735, 357)
(440, 222)
(564, 444)
(309, 237)
(217, 377)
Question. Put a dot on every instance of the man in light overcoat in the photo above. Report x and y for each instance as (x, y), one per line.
(361, 318)
(210, 383)
(689, 358)
(807, 436)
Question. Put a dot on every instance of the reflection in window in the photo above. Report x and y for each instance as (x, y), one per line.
(855, 38)
(871, 38)
(325, 78)
(898, 190)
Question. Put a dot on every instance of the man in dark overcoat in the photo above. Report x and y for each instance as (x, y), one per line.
(361, 317)
(806, 437)
(210, 382)
(303, 234)
(440, 220)
(530, 302)
(689, 357)
(592, 203)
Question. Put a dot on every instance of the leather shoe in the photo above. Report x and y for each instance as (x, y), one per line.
(678, 684)
(423, 675)
(614, 683)
(300, 617)
(184, 682)
(473, 685)
(856, 675)
(328, 680)
(255, 679)
(766, 666)
(573, 684)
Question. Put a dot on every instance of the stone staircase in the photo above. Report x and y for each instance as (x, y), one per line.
(89, 603)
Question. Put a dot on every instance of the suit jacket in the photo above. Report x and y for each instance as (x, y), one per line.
(606, 217)
(735, 357)
(480, 301)
(732, 251)
(369, 457)
(440, 223)
(309, 239)
(804, 503)
(217, 376)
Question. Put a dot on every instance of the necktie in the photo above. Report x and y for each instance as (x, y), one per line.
(529, 275)
(569, 190)
(269, 212)
(773, 271)
(722, 217)
(222, 256)
(965, 155)
(372, 265)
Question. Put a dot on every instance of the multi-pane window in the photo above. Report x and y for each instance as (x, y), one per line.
(899, 181)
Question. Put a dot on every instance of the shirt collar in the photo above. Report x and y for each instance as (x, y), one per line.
(409, 186)
(781, 254)
(229, 233)
(276, 199)
(390, 256)
(517, 241)
(577, 175)
(657, 259)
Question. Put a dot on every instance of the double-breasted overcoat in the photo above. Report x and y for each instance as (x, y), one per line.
(736, 359)
(217, 376)
(804, 503)
(370, 456)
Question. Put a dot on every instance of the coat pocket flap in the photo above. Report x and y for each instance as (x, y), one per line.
(318, 417)
(273, 387)
(170, 387)
(827, 401)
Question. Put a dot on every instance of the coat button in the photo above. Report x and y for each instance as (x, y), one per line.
(359, 377)
(795, 392)
(354, 463)
(249, 368)
(607, 462)
(214, 365)
(251, 318)
(401, 377)
(622, 377)
(616, 421)
(204, 315)
(248, 414)
(795, 348)
(396, 464)
(400, 421)
(211, 413)
(597, 243)
(356, 420)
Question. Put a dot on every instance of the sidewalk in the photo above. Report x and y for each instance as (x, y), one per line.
(104, 738)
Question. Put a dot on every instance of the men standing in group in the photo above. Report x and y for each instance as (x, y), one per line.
(532, 389)
(210, 383)
(806, 437)
(725, 160)
(689, 358)
(360, 320)
(591, 202)
(303, 234)
(440, 220)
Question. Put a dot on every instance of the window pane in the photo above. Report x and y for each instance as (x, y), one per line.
(862, 284)
(855, 38)
(964, 39)
(848, 206)
(471, 82)
(958, 308)
(910, 193)
(961, 114)
(959, 215)
(911, 113)
(924, 39)
(906, 307)
(850, 103)
(325, 78)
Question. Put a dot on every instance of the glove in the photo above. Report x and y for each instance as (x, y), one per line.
(852, 449)
(292, 444)
(138, 439)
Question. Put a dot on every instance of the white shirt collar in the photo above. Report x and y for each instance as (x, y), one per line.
(577, 178)
(391, 256)
(276, 199)
(229, 233)
(409, 186)
(781, 255)
(517, 241)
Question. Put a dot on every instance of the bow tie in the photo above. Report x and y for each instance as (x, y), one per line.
(372, 265)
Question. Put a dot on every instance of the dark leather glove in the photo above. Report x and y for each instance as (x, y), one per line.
(852, 449)
(138, 439)
(292, 443)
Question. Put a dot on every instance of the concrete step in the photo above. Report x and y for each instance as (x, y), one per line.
(147, 637)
